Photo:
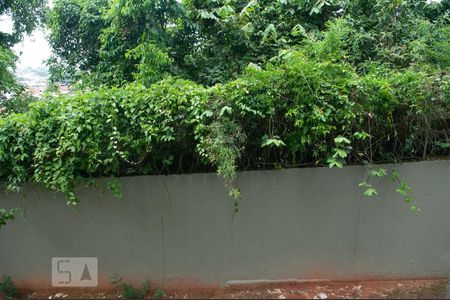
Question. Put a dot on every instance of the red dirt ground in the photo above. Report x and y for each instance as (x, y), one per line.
(384, 289)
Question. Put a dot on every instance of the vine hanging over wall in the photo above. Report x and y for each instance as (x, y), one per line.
(306, 107)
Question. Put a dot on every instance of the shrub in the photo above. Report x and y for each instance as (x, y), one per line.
(7, 288)
(127, 291)
(307, 106)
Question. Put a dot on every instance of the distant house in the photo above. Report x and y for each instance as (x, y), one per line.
(63, 88)
(37, 91)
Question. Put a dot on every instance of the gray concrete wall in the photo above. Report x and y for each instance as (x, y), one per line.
(296, 223)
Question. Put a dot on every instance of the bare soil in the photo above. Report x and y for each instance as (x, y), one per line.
(372, 289)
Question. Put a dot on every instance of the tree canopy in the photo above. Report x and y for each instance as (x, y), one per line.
(25, 16)
(213, 41)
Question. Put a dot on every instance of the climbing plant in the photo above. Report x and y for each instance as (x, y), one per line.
(198, 86)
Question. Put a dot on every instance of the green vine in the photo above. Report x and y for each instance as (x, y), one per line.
(306, 107)
(403, 188)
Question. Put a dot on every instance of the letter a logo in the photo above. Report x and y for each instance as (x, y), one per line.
(85, 275)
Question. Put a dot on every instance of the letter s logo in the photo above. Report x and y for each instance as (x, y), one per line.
(61, 271)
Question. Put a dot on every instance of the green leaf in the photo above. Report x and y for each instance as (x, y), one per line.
(225, 109)
(370, 192)
(270, 34)
(272, 142)
(298, 30)
(332, 162)
(341, 140)
(204, 14)
(378, 173)
(208, 113)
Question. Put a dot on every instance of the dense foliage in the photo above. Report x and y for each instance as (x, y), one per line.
(212, 41)
(179, 87)
(298, 110)
(8, 82)
(25, 16)
(75, 30)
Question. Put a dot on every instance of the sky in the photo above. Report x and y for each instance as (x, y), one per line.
(33, 51)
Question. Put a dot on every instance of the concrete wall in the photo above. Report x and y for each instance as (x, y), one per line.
(296, 223)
